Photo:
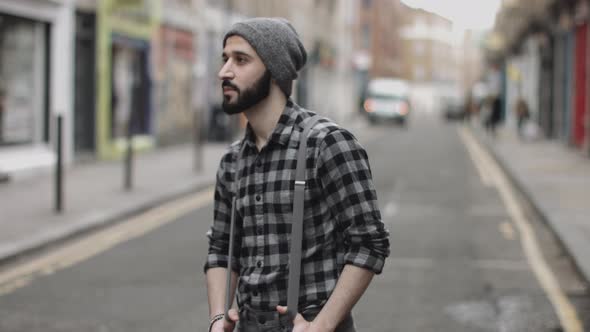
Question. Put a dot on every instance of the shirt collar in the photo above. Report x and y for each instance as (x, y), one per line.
(282, 131)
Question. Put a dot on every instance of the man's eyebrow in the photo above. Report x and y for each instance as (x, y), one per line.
(241, 53)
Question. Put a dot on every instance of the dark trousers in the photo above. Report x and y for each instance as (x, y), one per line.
(271, 321)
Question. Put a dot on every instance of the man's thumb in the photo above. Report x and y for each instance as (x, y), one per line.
(283, 310)
(233, 315)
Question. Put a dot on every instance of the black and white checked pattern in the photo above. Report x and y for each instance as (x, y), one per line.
(342, 222)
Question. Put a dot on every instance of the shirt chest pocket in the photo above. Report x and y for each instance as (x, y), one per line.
(311, 196)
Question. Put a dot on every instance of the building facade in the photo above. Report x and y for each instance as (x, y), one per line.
(545, 50)
(427, 47)
(146, 68)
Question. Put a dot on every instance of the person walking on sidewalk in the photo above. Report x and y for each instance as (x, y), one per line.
(495, 115)
(344, 242)
(522, 115)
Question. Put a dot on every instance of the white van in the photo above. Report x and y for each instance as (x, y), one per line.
(387, 99)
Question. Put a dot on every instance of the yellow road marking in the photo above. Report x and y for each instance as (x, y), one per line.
(484, 173)
(96, 243)
(566, 312)
(507, 230)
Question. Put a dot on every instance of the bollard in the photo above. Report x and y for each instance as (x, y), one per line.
(198, 147)
(59, 167)
(128, 185)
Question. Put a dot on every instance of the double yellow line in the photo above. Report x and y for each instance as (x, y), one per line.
(492, 175)
(22, 274)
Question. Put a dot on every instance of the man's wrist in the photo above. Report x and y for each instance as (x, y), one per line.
(322, 324)
(211, 317)
(214, 320)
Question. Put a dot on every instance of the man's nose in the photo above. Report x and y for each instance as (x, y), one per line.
(226, 71)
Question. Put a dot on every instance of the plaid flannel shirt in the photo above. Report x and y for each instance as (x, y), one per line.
(342, 222)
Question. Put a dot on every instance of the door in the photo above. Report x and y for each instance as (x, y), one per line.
(84, 102)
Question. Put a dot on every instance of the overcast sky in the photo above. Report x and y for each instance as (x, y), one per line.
(465, 14)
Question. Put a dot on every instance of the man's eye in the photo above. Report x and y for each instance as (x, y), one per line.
(241, 60)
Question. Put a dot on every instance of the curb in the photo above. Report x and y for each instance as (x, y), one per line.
(93, 223)
(559, 231)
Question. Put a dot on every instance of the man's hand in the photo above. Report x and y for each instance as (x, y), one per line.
(223, 325)
(300, 324)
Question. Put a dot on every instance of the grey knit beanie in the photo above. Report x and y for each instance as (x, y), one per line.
(277, 44)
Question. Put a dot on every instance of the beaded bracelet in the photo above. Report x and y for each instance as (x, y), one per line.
(214, 320)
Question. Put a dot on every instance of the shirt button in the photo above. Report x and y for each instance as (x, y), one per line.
(258, 198)
(259, 264)
(258, 163)
(255, 293)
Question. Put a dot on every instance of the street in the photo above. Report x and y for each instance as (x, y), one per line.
(457, 261)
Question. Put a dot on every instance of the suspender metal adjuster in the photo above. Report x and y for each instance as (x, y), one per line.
(300, 183)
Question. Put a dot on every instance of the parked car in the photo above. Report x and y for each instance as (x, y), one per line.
(387, 99)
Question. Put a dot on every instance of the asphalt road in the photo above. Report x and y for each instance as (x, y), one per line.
(457, 263)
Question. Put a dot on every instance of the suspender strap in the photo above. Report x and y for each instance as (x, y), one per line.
(297, 223)
(232, 226)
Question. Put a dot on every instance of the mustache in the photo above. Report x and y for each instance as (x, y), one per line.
(229, 84)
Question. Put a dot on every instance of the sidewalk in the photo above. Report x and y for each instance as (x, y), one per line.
(556, 180)
(94, 196)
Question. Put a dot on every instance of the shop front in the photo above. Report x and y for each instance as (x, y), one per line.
(580, 131)
(124, 80)
(175, 92)
(34, 64)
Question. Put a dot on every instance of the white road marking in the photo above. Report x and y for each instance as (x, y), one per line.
(566, 312)
(20, 275)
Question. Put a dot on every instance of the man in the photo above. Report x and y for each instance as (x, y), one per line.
(344, 240)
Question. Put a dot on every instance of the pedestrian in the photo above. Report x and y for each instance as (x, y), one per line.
(522, 115)
(468, 108)
(344, 241)
(495, 115)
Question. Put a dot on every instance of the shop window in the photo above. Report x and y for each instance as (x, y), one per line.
(130, 89)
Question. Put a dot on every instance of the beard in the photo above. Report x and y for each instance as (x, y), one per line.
(249, 97)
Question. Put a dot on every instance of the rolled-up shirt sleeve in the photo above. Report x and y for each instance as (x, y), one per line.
(218, 234)
(345, 177)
